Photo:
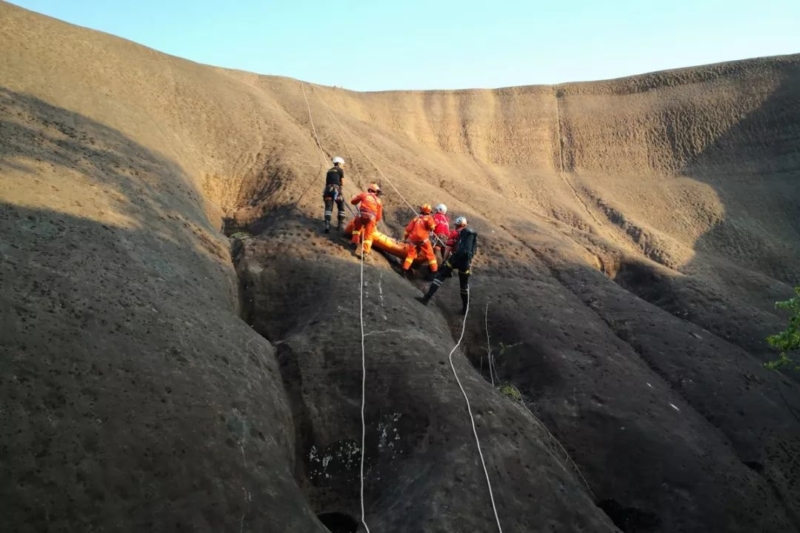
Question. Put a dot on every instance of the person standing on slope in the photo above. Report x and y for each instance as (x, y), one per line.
(334, 181)
(417, 235)
(460, 259)
(370, 212)
(442, 230)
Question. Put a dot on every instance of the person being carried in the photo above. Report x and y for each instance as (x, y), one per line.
(417, 235)
(334, 181)
(442, 231)
(460, 259)
(370, 212)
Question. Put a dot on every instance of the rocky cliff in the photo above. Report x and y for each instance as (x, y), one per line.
(180, 345)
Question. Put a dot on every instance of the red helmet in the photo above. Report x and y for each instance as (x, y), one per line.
(425, 209)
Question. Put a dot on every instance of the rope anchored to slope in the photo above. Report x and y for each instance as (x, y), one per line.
(363, 386)
(363, 350)
(316, 140)
(471, 417)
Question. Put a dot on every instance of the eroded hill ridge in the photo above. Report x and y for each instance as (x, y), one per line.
(160, 376)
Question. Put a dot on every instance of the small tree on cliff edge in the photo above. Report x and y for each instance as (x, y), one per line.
(788, 340)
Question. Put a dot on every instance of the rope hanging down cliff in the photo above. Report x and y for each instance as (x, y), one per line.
(450, 355)
(363, 385)
(316, 139)
(360, 149)
(363, 349)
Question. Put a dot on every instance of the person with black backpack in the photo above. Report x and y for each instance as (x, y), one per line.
(334, 181)
(460, 259)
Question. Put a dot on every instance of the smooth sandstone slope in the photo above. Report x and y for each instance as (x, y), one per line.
(634, 234)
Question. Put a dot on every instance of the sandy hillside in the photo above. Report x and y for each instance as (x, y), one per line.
(180, 344)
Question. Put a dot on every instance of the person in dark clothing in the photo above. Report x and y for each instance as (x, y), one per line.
(461, 260)
(334, 181)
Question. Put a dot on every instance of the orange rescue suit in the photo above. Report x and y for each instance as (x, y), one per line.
(369, 214)
(418, 235)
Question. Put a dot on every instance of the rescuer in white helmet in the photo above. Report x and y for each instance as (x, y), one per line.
(464, 245)
(441, 232)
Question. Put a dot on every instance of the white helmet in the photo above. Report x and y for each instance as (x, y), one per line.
(338, 160)
(461, 221)
(441, 208)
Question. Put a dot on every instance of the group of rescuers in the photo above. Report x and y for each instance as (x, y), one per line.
(456, 247)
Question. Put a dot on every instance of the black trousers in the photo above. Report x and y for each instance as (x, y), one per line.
(333, 195)
(462, 266)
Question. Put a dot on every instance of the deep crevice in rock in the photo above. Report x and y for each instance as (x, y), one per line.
(291, 378)
(754, 466)
(629, 519)
(339, 522)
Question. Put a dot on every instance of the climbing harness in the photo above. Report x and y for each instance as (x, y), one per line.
(316, 139)
(352, 138)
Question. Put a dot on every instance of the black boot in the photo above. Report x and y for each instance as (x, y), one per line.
(327, 227)
(340, 225)
(464, 300)
(428, 295)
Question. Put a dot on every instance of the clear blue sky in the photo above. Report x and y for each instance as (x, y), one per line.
(445, 44)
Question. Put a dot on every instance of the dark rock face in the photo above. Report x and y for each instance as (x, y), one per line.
(122, 406)
(422, 470)
(631, 380)
(634, 235)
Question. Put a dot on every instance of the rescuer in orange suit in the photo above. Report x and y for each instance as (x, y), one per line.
(370, 212)
(417, 235)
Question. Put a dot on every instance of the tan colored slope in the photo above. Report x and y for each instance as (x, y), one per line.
(634, 234)
(623, 143)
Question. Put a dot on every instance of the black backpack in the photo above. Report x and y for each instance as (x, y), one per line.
(467, 243)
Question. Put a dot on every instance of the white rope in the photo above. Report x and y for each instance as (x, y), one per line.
(363, 386)
(488, 342)
(313, 128)
(553, 221)
(332, 116)
(352, 138)
(363, 351)
(339, 135)
(472, 418)
(319, 145)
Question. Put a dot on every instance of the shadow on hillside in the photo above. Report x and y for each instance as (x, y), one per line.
(752, 258)
(36, 135)
(754, 168)
(78, 252)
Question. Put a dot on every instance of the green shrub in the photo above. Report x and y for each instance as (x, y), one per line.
(788, 340)
(511, 391)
